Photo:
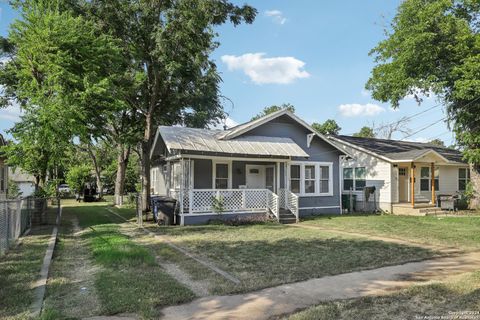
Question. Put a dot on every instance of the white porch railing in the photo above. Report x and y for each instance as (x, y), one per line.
(289, 200)
(198, 201)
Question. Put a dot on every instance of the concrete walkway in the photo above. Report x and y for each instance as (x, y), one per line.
(284, 299)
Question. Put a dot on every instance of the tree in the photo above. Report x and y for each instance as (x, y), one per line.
(386, 130)
(67, 76)
(330, 126)
(433, 47)
(365, 132)
(437, 142)
(274, 108)
(166, 45)
(78, 176)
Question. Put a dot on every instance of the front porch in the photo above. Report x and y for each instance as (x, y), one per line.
(221, 188)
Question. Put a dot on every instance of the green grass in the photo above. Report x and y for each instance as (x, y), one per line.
(266, 255)
(127, 278)
(456, 294)
(19, 268)
(460, 232)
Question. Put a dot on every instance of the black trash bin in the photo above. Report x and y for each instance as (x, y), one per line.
(164, 210)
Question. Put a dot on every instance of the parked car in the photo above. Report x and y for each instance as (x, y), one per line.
(64, 188)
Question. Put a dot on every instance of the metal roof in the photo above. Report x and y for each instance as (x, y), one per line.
(397, 150)
(203, 140)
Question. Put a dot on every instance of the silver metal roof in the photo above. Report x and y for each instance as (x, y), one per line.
(202, 140)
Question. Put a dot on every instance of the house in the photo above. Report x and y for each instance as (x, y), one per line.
(3, 172)
(392, 165)
(276, 164)
(24, 181)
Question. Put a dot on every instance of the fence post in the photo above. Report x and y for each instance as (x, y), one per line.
(139, 210)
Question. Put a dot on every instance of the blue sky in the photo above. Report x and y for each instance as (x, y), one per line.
(312, 54)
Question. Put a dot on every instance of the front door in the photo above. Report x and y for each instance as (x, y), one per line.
(255, 176)
(403, 184)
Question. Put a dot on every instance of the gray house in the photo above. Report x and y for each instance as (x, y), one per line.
(274, 165)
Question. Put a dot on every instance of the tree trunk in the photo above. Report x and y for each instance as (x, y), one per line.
(475, 181)
(98, 173)
(122, 162)
(145, 162)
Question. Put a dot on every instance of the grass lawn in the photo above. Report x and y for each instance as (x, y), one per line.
(266, 255)
(126, 277)
(460, 232)
(456, 294)
(19, 268)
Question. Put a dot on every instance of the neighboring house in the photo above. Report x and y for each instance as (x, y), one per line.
(25, 181)
(389, 165)
(3, 172)
(276, 164)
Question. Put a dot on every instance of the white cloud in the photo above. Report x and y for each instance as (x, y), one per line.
(356, 109)
(261, 70)
(276, 15)
(12, 113)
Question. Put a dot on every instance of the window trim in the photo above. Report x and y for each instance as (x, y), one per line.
(354, 178)
(317, 165)
(466, 179)
(214, 173)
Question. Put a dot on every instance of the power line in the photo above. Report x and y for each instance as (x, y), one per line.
(444, 118)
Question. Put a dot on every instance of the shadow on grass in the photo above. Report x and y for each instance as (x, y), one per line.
(19, 268)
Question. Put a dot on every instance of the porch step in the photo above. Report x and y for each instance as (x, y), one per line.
(287, 217)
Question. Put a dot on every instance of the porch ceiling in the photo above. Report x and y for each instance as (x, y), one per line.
(200, 140)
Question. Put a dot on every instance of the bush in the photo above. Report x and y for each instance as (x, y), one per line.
(13, 190)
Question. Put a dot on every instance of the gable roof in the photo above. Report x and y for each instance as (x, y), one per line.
(400, 151)
(250, 125)
(195, 140)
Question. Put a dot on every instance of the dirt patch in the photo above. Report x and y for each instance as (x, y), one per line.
(71, 288)
(200, 288)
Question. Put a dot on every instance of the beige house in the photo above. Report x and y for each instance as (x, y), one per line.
(407, 176)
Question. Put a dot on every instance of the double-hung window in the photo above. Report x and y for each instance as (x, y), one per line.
(295, 178)
(221, 175)
(354, 178)
(311, 178)
(426, 179)
(463, 178)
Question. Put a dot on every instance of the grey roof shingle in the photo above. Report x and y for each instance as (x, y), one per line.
(400, 150)
(203, 140)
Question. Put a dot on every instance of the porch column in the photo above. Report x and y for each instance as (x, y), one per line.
(432, 176)
(412, 184)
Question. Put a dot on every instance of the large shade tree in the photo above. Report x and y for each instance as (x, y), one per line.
(167, 46)
(66, 75)
(433, 46)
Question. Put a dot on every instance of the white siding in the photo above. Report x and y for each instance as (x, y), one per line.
(448, 180)
(378, 174)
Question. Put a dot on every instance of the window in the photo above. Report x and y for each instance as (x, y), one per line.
(324, 179)
(295, 178)
(463, 178)
(360, 181)
(354, 178)
(221, 176)
(426, 179)
(311, 178)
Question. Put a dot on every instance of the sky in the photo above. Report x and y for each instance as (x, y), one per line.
(312, 54)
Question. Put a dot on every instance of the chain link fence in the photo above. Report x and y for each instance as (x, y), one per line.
(18, 215)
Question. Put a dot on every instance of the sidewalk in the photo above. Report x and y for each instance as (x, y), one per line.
(284, 299)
